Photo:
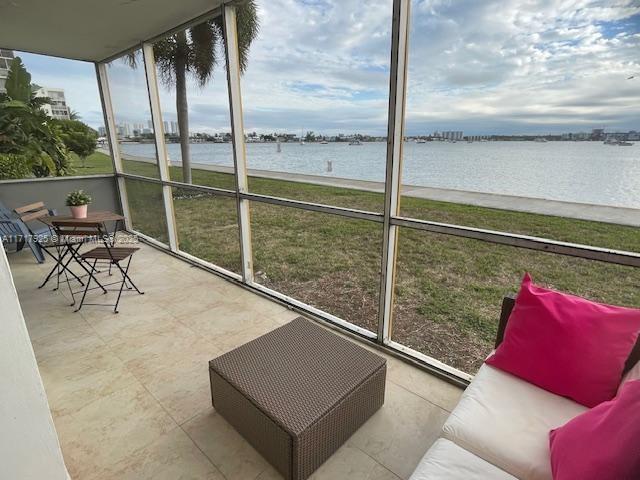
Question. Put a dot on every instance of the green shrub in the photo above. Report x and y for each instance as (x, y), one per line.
(25, 130)
(14, 166)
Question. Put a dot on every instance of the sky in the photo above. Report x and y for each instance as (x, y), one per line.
(483, 67)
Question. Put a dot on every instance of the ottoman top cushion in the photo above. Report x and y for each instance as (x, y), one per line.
(297, 373)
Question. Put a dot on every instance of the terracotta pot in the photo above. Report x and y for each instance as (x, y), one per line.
(79, 211)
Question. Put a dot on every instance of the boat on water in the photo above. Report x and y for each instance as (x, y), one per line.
(324, 142)
(617, 143)
(355, 142)
(420, 140)
(540, 140)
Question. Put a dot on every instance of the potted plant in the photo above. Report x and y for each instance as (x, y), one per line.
(78, 202)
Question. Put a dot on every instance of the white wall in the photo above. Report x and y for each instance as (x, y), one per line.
(29, 448)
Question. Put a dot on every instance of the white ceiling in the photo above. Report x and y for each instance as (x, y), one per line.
(91, 29)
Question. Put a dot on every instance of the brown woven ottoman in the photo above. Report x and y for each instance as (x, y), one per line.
(297, 393)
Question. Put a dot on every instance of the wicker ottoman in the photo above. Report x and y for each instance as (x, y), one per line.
(297, 393)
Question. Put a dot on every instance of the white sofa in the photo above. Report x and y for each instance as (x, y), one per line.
(500, 430)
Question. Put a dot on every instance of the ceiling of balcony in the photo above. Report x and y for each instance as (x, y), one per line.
(91, 29)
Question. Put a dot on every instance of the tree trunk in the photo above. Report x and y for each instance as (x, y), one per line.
(182, 108)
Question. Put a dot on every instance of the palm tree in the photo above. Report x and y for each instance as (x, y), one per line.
(74, 114)
(195, 51)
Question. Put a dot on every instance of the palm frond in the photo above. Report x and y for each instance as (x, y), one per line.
(131, 59)
(195, 50)
(165, 53)
(248, 29)
(203, 55)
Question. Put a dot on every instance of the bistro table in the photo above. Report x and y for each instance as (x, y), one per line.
(64, 249)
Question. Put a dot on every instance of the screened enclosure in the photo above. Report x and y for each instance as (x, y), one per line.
(420, 276)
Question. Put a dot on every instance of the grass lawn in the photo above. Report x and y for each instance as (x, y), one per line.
(448, 289)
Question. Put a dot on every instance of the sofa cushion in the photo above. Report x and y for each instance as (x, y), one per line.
(601, 444)
(447, 461)
(566, 344)
(506, 421)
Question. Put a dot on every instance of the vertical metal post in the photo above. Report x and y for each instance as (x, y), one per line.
(237, 133)
(395, 139)
(161, 149)
(112, 136)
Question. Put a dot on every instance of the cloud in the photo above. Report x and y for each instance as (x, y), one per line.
(540, 66)
(485, 67)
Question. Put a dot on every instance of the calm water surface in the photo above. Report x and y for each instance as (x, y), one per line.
(585, 172)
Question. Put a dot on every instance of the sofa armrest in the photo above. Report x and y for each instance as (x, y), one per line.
(507, 306)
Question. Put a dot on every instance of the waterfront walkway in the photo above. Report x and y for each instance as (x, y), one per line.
(581, 211)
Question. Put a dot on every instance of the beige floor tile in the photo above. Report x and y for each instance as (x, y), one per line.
(229, 342)
(400, 433)
(381, 473)
(73, 381)
(285, 316)
(80, 340)
(182, 389)
(226, 318)
(169, 344)
(110, 429)
(227, 450)
(173, 456)
(427, 386)
(347, 463)
(197, 297)
(58, 320)
(41, 304)
(134, 320)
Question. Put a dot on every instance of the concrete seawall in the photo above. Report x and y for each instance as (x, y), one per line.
(581, 211)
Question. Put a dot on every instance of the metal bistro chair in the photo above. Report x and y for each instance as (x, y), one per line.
(44, 239)
(106, 254)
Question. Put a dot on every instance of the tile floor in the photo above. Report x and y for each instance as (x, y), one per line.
(129, 393)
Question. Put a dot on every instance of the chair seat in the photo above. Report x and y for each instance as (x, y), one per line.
(117, 253)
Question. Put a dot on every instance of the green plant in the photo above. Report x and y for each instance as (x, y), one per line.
(14, 166)
(78, 137)
(78, 198)
(26, 131)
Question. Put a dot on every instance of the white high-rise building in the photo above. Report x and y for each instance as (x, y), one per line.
(174, 128)
(57, 108)
(6, 56)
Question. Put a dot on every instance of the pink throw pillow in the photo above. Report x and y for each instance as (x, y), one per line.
(602, 443)
(566, 344)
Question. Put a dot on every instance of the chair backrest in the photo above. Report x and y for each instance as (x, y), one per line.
(507, 306)
(31, 212)
(78, 229)
(5, 212)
